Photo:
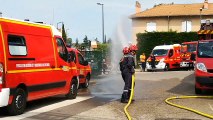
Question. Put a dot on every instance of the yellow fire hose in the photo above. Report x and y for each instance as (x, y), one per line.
(186, 108)
(167, 101)
(130, 99)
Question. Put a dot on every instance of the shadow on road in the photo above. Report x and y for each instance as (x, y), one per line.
(186, 87)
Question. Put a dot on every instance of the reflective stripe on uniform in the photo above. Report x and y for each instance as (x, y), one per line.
(125, 91)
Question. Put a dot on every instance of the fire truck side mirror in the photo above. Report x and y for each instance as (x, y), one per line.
(71, 57)
(86, 63)
(171, 53)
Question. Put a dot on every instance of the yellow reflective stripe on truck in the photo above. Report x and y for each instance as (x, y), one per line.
(33, 70)
(73, 68)
(84, 69)
(27, 23)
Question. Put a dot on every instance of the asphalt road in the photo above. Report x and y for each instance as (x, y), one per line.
(101, 100)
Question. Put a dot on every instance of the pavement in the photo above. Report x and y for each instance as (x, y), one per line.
(101, 100)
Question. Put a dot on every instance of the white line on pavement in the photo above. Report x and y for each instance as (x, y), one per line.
(210, 107)
(46, 108)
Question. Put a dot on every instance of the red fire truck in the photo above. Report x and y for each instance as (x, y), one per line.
(83, 68)
(188, 51)
(204, 58)
(34, 64)
(167, 57)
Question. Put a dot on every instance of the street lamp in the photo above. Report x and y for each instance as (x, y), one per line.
(102, 5)
(59, 23)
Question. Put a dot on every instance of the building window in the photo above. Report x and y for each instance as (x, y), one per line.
(151, 26)
(186, 26)
(17, 45)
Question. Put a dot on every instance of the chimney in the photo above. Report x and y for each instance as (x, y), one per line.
(137, 7)
(206, 4)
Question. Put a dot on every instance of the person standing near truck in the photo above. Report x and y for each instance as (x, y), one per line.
(143, 61)
(153, 61)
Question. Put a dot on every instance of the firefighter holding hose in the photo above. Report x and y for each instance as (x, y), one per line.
(127, 66)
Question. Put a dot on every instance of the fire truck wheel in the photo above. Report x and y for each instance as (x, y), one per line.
(18, 104)
(73, 90)
(166, 67)
(86, 84)
(197, 90)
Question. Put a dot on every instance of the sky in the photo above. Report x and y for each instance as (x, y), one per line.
(81, 17)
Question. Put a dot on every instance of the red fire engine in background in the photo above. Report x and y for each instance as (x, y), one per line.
(204, 58)
(34, 64)
(187, 55)
(167, 57)
(83, 68)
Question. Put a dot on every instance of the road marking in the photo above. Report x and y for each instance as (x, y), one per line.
(46, 108)
(211, 107)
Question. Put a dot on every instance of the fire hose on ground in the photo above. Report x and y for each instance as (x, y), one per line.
(130, 99)
(168, 102)
(187, 108)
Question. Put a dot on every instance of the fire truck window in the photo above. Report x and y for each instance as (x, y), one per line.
(62, 51)
(81, 59)
(17, 45)
(183, 48)
(191, 47)
(160, 52)
(73, 58)
(171, 53)
(205, 49)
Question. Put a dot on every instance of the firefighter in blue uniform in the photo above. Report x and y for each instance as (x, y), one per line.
(127, 65)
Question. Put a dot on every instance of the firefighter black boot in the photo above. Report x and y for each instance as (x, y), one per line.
(124, 98)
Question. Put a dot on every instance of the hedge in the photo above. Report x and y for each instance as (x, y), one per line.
(147, 41)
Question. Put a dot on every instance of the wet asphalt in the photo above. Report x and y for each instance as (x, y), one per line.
(151, 89)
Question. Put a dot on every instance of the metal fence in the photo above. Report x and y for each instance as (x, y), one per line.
(95, 59)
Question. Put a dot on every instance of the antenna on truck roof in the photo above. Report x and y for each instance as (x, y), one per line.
(26, 19)
(40, 22)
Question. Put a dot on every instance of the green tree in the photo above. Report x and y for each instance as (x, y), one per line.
(104, 48)
(96, 39)
(76, 43)
(64, 36)
(86, 42)
(69, 42)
